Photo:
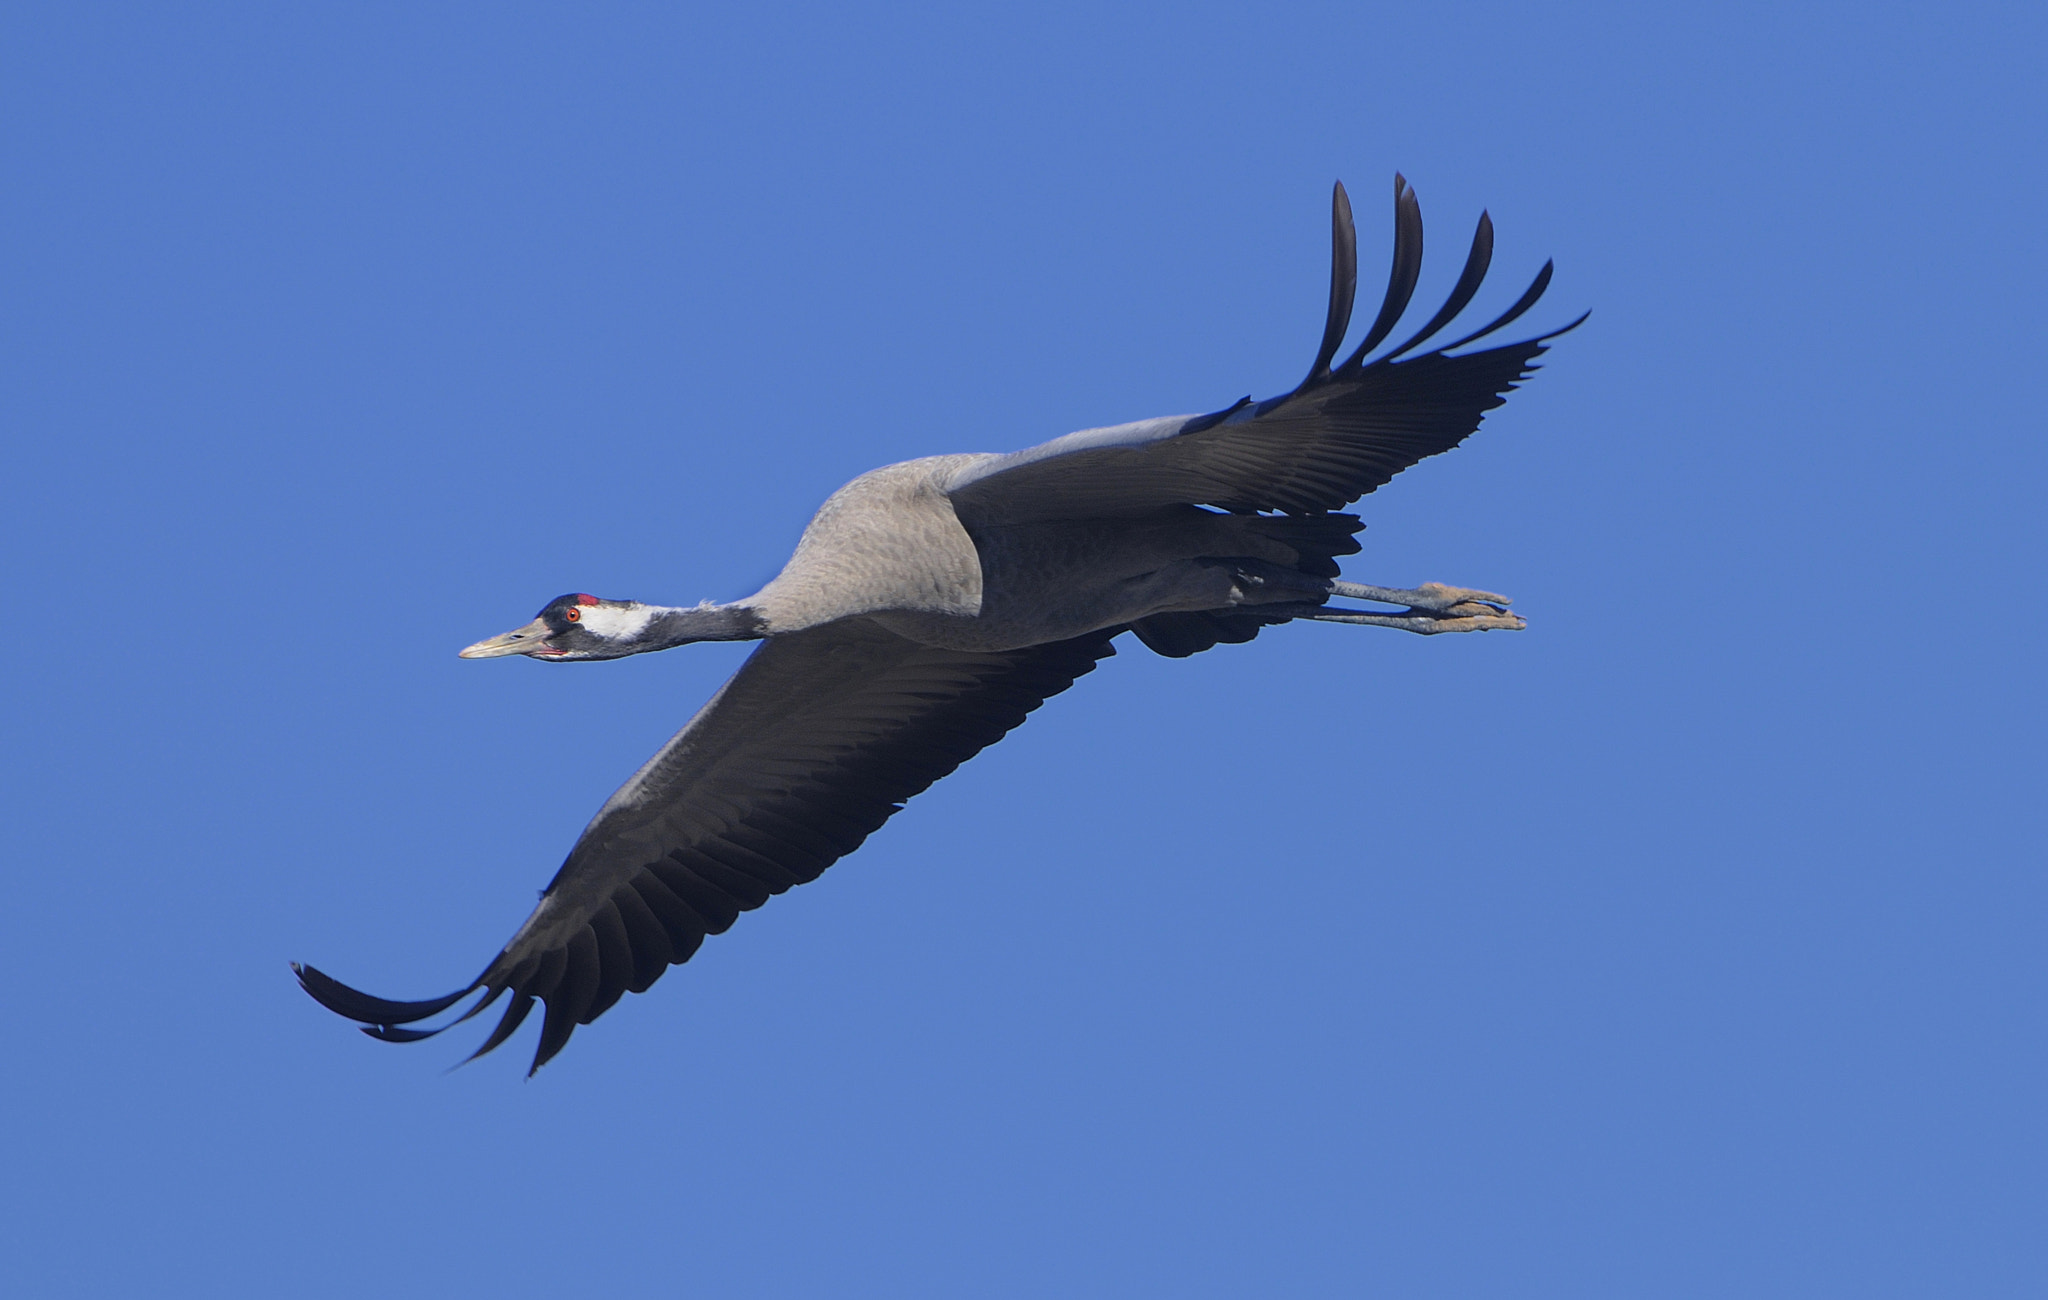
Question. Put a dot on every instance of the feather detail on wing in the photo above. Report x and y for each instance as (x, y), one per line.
(818, 738)
(1339, 435)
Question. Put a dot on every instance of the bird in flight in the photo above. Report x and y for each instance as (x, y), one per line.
(931, 605)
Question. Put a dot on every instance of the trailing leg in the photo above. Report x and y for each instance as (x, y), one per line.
(1433, 596)
(1426, 610)
(1426, 624)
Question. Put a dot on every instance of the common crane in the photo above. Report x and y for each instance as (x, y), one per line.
(931, 605)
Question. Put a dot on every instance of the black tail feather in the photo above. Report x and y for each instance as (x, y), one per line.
(1317, 539)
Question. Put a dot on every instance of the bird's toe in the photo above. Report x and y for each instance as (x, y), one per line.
(1438, 597)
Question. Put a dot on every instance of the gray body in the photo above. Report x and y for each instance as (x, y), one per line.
(892, 546)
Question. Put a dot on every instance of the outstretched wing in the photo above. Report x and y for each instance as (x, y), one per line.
(1336, 437)
(812, 744)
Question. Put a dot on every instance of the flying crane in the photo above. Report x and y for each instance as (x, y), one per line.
(931, 605)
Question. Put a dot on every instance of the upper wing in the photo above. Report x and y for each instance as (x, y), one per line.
(819, 737)
(1336, 437)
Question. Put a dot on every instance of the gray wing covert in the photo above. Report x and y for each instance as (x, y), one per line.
(1338, 435)
(809, 748)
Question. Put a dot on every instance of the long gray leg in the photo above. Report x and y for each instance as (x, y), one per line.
(1433, 596)
(1426, 610)
(1430, 609)
(1427, 624)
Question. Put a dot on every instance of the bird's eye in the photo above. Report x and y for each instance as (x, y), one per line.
(573, 614)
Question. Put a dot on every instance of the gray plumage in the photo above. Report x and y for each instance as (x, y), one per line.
(931, 605)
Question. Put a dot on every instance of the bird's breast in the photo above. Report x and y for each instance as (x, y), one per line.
(889, 540)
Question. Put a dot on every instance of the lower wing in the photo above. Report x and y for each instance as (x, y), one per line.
(819, 737)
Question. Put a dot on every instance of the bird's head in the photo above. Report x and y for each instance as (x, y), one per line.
(576, 626)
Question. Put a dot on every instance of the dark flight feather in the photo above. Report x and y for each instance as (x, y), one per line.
(1343, 282)
(1401, 279)
(1476, 263)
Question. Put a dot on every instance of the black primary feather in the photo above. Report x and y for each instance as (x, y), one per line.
(1401, 279)
(1343, 282)
(1476, 263)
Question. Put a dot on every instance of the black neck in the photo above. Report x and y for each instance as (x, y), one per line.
(674, 627)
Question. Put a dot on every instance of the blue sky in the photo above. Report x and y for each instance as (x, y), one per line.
(1687, 944)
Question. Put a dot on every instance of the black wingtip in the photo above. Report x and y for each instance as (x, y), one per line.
(1514, 313)
(1401, 279)
(515, 1012)
(582, 974)
(1476, 263)
(359, 1006)
(1343, 282)
(393, 1034)
(555, 1027)
(1566, 329)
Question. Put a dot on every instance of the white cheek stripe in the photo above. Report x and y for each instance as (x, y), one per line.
(616, 624)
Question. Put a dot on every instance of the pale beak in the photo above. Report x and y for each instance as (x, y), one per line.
(523, 641)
